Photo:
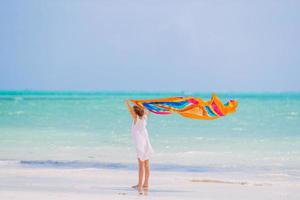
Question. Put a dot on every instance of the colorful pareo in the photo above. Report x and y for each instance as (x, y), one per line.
(190, 107)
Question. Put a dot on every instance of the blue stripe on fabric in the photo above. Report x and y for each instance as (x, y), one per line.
(210, 112)
(150, 106)
(178, 105)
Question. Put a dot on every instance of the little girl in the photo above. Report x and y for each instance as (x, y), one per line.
(142, 144)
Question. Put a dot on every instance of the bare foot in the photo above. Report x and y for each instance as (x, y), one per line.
(140, 191)
(146, 191)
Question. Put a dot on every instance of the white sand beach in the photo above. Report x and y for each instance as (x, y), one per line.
(106, 184)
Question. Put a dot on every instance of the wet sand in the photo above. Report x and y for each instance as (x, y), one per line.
(82, 184)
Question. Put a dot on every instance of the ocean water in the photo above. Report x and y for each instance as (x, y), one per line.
(92, 129)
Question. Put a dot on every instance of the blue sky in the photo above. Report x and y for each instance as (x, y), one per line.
(150, 45)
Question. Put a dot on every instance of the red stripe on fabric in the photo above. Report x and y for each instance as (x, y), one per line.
(216, 109)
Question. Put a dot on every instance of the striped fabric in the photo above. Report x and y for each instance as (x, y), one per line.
(190, 107)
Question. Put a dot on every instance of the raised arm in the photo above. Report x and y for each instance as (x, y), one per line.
(130, 109)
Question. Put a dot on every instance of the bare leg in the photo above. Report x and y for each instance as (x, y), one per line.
(147, 173)
(141, 175)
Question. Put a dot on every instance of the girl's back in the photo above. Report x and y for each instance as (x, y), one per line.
(141, 139)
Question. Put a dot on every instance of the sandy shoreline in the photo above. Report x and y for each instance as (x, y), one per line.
(51, 183)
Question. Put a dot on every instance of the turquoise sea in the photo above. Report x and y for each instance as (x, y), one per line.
(92, 129)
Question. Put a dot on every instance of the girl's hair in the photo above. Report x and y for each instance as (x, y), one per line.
(138, 111)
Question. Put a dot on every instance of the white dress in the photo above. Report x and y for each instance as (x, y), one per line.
(141, 139)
